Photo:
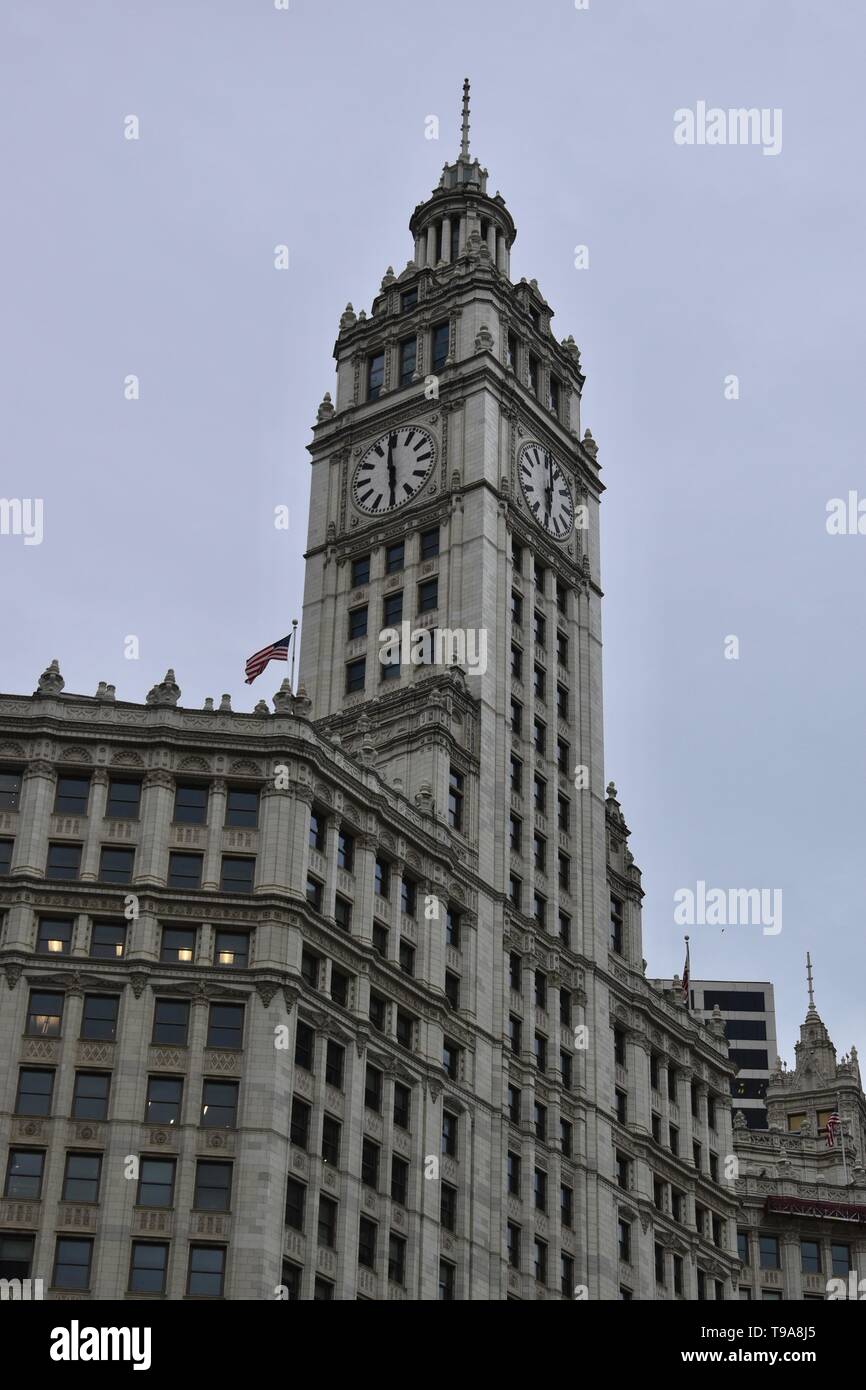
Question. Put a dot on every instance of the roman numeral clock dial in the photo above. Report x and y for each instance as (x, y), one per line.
(393, 470)
(546, 489)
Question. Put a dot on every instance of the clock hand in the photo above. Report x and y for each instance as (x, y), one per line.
(548, 491)
(392, 471)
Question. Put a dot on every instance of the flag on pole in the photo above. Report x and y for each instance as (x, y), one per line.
(275, 651)
(833, 1128)
(686, 974)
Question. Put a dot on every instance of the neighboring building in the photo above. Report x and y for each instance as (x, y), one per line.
(748, 1012)
(803, 1221)
(359, 983)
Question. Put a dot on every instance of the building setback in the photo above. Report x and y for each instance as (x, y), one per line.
(346, 998)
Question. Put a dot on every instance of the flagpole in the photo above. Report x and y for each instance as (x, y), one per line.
(294, 645)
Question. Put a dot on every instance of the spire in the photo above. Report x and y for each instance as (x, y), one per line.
(464, 133)
(811, 987)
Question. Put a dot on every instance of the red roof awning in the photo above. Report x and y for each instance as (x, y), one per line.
(821, 1211)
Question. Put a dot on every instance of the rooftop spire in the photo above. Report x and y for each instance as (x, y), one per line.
(810, 984)
(464, 133)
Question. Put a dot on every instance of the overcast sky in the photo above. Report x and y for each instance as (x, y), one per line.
(258, 127)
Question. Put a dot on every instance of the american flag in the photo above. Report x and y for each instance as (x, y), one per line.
(274, 651)
(687, 970)
(833, 1126)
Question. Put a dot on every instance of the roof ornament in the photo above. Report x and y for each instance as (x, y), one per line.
(810, 984)
(464, 129)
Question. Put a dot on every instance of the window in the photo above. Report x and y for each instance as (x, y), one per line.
(396, 1259)
(367, 1232)
(54, 937)
(402, 1105)
(156, 1182)
(408, 300)
(514, 1034)
(736, 1001)
(408, 896)
(148, 1267)
(539, 1189)
(538, 682)
(24, 1174)
(296, 1195)
(370, 1164)
(237, 874)
(99, 1016)
(513, 1173)
(340, 983)
(539, 735)
(678, 1274)
(622, 1171)
(515, 825)
(360, 571)
(561, 702)
(514, 1096)
(356, 675)
(357, 622)
(331, 1134)
(532, 373)
(516, 663)
(315, 890)
(621, 1106)
(539, 910)
(539, 1049)
(452, 989)
(515, 890)
(516, 775)
(164, 1096)
(395, 558)
(565, 928)
(343, 913)
(72, 1258)
(840, 1256)
(16, 1256)
(440, 346)
(452, 927)
(123, 799)
(565, 1133)
(115, 865)
(513, 1241)
(323, 1290)
(711, 1111)
(516, 717)
(399, 1180)
(673, 1139)
(743, 1247)
(383, 878)
(616, 925)
(63, 861)
(81, 1178)
(408, 358)
(810, 1256)
(184, 870)
(35, 1089)
(231, 948)
(677, 1205)
(539, 627)
(769, 1252)
(171, 1022)
(404, 1029)
(451, 1054)
(714, 1167)
(206, 1273)
(5, 856)
(44, 1014)
(553, 395)
(563, 756)
(540, 1121)
(10, 790)
(219, 1104)
(108, 940)
(455, 799)
(310, 969)
(540, 1260)
(449, 1134)
(90, 1096)
(373, 1089)
(375, 375)
(673, 1076)
(428, 595)
(539, 850)
(516, 608)
(624, 1230)
(335, 1059)
(299, 1123)
(429, 544)
(305, 1040)
(190, 805)
(566, 1275)
(178, 945)
(226, 1026)
(377, 1012)
(242, 807)
(72, 795)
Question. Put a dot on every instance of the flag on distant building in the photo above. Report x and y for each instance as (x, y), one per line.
(275, 651)
(833, 1127)
(686, 974)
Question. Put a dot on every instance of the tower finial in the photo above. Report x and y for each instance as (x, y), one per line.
(810, 983)
(464, 137)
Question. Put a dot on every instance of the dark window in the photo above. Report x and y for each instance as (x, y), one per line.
(375, 375)
(331, 1135)
(616, 925)
(44, 1014)
(171, 1022)
(513, 1166)
(452, 989)
(99, 1016)
(514, 1104)
(24, 1174)
(621, 1104)
(395, 557)
(63, 861)
(5, 856)
(314, 897)
(164, 1097)
(10, 791)
(747, 1002)
(295, 1200)
(624, 1230)
(553, 395)
(539, 909)
(373, 1089)
(35, 1089)
(539, 679)
(237, 874)
(310, 969)
(751, 1059)
(515, 1028)
(232, 948)
(383, 878)
(565, 928)
(16, 1256)
(335, 1058)
(408, 896)
(115, 865)
(447, 1281)
(404, 1029)
(539, 733)
(516, 663)
(123, 799)
(90, 1097)
(148, 1267)
(219, 1103)
(452, 928)
(743, 1246)
(428, 595)
(407, 958)
(377, 1012)
(343, 913)
(81, 1178)
(451, 1058)
(399, 1180)
(440, 346)
(736, 1028)
(539, 850)
(367, 1232)
(512, 351)
(448, 1207)
(226, 1026)
(561, 702)
(449, 1134)
(356, 675)
(184, 870)
(540, 1261)
(190, 805)
(408, 300)
(402, 1105)
(360, 571)
(207, 1264)
(563, 756)
(540, 1121)
(108, 940)
(156, 1182)
(516, 607)
(429, 547)
(565, 1137)
(769, 1252)
(840, 1256)
(340, 983)
(408, 358)
(515, 890)
(304, 1042)
(810, 1256)
(327, 1227)
(357, 622)
(540, 628)
(72, 1257)
(71, 796)
(513, 1244)
(242, 807)
(532, 373)
(539, 1049)
(455, 799)
(370, 1163)
(178, 945)
(396, 1259)
(539, 786)
(55, 936)
(539, 1189)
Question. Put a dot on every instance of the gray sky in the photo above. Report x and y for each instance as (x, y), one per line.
(260, 127)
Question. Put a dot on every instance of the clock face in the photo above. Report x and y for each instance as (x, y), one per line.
(546, 490)
(393, 470)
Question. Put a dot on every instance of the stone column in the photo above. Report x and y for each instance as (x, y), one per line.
(792, 1275)
(446, 238)
(362, 908)
(216, 814)
(156, 815)
(502, 253)
(274, 857)
(332, 831)
(34, 819)
(431, 244)
(491, 240)
(96, 814)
